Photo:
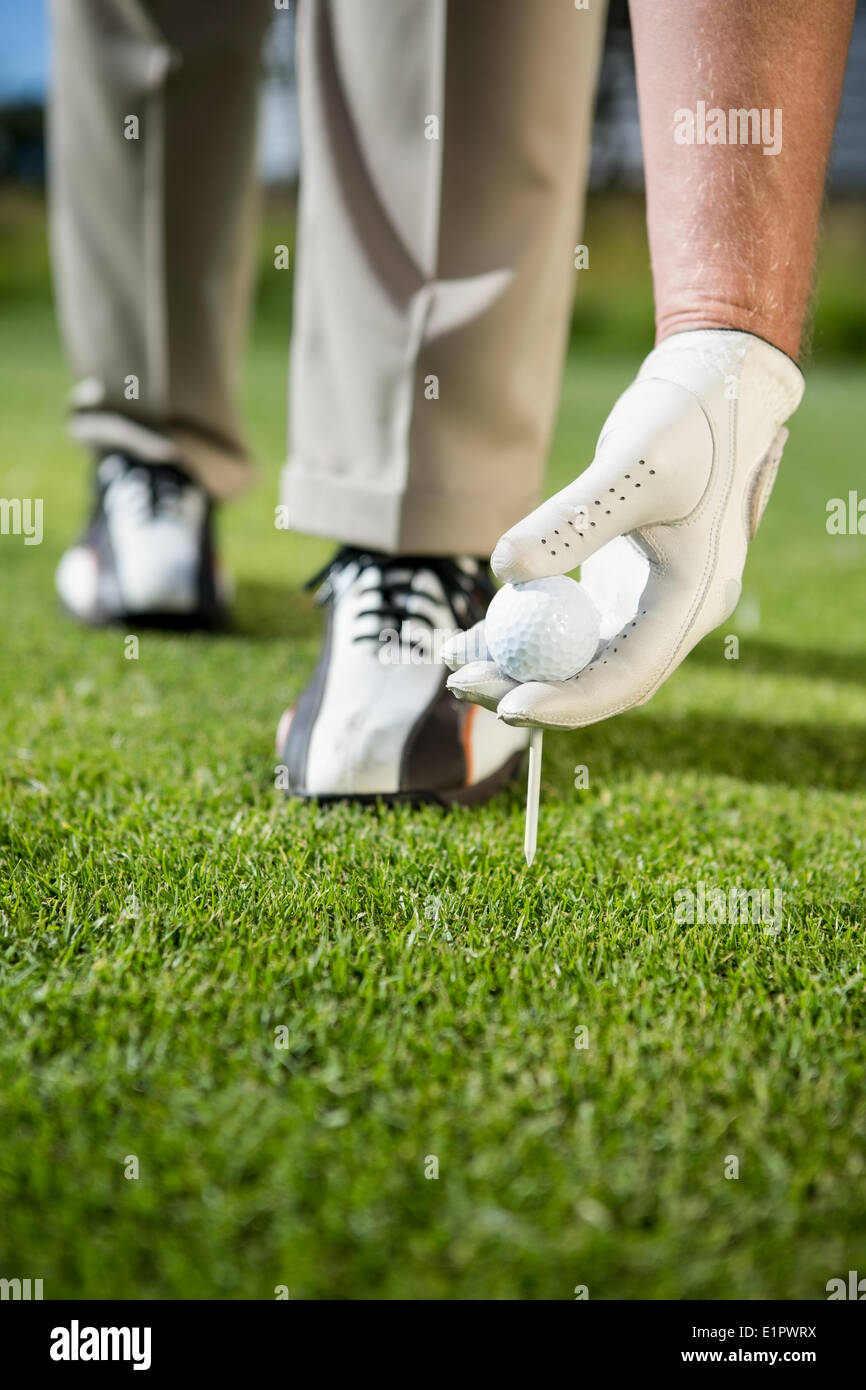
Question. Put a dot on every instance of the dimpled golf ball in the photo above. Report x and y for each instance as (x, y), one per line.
(542, 630)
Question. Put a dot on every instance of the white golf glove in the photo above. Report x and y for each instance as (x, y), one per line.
(660, 523)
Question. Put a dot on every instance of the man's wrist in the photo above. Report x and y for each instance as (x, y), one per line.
(785, 336)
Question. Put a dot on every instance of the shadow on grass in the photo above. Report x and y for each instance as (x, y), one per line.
(768, 658)
(274, 611)
(822, 756)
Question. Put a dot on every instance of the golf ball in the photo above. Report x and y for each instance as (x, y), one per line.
(542, 630)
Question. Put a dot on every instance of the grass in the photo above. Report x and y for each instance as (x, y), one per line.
(163, 911)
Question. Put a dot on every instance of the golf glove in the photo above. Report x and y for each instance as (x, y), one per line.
(659, 523)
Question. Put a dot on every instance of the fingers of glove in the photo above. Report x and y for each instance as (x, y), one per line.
(615, 578)
(652, 464)
(482, 683)
(625, 672)
(464, 647)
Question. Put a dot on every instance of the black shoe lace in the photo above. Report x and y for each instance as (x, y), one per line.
(166, 485)
(393, 585)
(161, 483)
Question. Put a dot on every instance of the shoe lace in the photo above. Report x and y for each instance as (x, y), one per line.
(154, 490)
(166, 489)
(391, 589)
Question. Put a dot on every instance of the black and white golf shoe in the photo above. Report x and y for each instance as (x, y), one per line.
(147, 556)
(375, 721)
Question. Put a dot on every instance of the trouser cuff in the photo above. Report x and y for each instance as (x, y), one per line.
(397, 522)
(223, 472)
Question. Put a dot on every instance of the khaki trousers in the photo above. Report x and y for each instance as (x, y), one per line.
(444, 158)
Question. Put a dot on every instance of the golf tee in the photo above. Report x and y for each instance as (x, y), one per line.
(533, 790)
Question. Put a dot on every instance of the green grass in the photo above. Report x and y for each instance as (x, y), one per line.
(163, 911)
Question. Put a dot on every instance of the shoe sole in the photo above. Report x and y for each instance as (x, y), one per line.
(473, 795)
(163, 622)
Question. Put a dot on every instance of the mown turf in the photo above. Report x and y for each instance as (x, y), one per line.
(165, 912)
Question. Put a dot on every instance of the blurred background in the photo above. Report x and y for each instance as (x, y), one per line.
(614, 309)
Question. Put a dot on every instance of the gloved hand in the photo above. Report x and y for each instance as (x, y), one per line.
(659, 523)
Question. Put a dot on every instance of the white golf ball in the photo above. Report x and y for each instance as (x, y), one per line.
(542, 630)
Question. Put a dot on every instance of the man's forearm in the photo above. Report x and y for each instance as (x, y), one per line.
(732, 229)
